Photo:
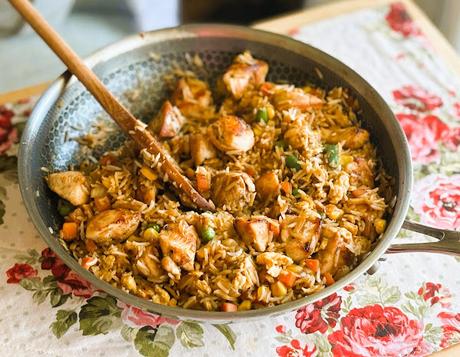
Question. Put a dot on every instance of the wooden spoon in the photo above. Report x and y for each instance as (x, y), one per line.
(127, 122)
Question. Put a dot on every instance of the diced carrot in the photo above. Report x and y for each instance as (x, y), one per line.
(69, 230)
(102, 203)
(229, 307)
(274, 227)
(288, 278)
(266, 88)
(106, 160)
(88, 262)
(286, 187)
(251, 171)
(312, 264)
(90, 246)
(202, 183)
(329, 279)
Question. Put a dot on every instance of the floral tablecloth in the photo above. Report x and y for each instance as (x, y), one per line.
(410, 306)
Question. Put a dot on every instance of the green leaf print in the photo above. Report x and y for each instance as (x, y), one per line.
(98, 315)
(432, 334)
(228, 333)
(190, 334)
(128, 333)
(32, 257)
(31, 284)
(64, 319)
(154, 342)
(377, 291)
(2, 204)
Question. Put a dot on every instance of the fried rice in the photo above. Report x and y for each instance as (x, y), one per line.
(299, 191)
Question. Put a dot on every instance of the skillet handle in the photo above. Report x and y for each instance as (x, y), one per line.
(448, 241)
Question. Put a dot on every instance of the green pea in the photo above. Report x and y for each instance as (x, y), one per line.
(262, 115)
(65, 207)
(292, 162)
(332, 154)
(155, 226)
(295, 192)
(207, 234)
(281, 143)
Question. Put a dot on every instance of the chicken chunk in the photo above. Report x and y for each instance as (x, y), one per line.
(274, 262)
(301, 136)
(361, 173)
(247, 276)
(114, 224)
(179, 241)
(168, 122)
(284, 99)
(256, 231)
(268, 185)
(194, 99)
(301, 235)
(352, 137)
(232, 191)
(334, 254)
(244, 71)
(339, 188)
(149, 265)
(231, 134)
(70, 185)
(201, 149)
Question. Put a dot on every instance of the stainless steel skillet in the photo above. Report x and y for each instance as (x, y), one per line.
(134, 70)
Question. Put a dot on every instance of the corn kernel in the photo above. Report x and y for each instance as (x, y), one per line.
(245, 305)
(148, 173)
(278, 289)
(270, 112)
(150, 234)
(333, 212)
(380, 225)
(346, 159)
(352, 228)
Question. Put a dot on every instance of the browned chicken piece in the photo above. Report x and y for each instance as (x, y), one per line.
(178, 241)
(244, 71)
(268, 185)
(201, 149)
(231, 135)
(194, 99)
(168, 122)
(70, 185)
(149, 265)
(113, 224)
(232, 191)
(256, 231)
(334, 254)
(301, 236)
(352, 137)
(285, 99)
(274, 262)
(300, 136)
(339, 188)
(361, 173)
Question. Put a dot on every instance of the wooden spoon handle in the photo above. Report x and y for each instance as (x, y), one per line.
(128, 123)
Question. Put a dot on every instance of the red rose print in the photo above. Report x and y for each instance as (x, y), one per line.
(376, 331)
(350, 287)
(435, 293)
(450, 328)
(8, 133)
(417, 98)
(399, 20)
(19, 272)
(457, 109)
(67, 280)
(319, 315)
(72, 283)
(423, 135)
(135, 317)
(451, 138)
(436, 198)
(280, 329)
(296, 350)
